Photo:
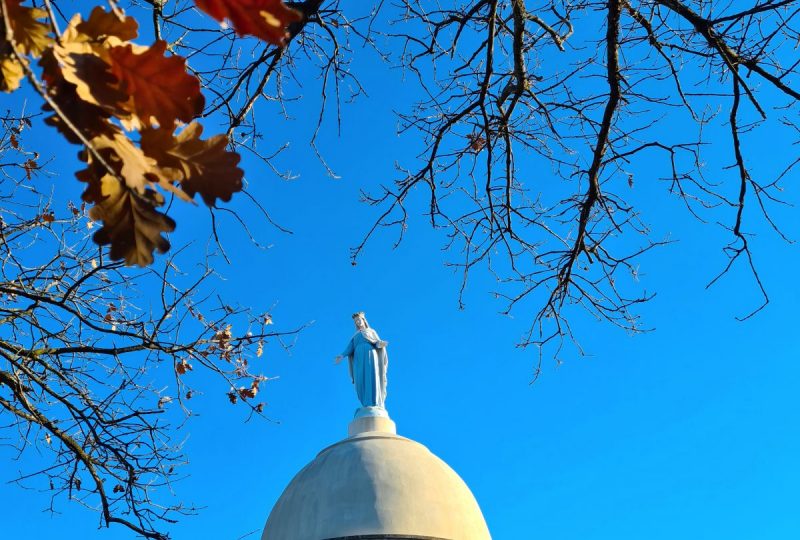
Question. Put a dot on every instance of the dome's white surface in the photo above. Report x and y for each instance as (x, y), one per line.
(376, 483)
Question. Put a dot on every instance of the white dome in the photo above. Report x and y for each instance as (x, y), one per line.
(376, 485)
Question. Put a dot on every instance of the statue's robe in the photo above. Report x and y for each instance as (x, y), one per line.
(368, 365)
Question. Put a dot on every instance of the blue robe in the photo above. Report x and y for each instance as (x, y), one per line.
(367, 367)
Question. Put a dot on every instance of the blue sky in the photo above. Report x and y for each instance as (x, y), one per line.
(689, 431)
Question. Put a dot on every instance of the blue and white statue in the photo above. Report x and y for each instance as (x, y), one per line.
(368, 362)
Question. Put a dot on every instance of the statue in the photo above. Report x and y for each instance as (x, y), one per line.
(368, 361)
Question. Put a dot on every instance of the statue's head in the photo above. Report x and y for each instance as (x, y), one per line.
(360, 320)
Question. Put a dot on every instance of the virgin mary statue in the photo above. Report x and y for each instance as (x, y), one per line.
(368, 361)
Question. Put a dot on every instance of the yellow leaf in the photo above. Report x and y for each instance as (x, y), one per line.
(11, 73)
(31, 36)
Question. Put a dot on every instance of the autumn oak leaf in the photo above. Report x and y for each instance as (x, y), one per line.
(182, 367)
(31, 35)
(267, 20)
(207, 167)
(78, 64)
(11, 73)
(121, 158)
(103, 24)
(131, 224)
(89, 118)
(81, 57)
(158, 86)
(133, 166)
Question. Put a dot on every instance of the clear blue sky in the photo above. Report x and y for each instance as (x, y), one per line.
(690, 431)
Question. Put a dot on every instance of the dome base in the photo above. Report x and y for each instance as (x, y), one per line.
(386, 537)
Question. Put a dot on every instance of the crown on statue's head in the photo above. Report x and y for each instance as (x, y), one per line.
(359, 315)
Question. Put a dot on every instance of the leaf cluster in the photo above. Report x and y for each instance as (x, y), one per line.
(132, 108)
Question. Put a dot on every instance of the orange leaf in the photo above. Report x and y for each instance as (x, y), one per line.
(159, 87)
(207, 167)
(265, 19)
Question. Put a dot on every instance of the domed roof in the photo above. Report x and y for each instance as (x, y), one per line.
(376, 484)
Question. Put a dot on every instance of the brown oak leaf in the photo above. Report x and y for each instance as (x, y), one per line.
(206, 166)
(250, 393)
(247, 393)
(131, 224)
(158, 86)
(267, 20)
(30, 167)
(182, 367)
(89, 118)
(92, 175)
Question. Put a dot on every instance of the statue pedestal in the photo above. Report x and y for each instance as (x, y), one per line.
(371, 411)
(365, 424)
